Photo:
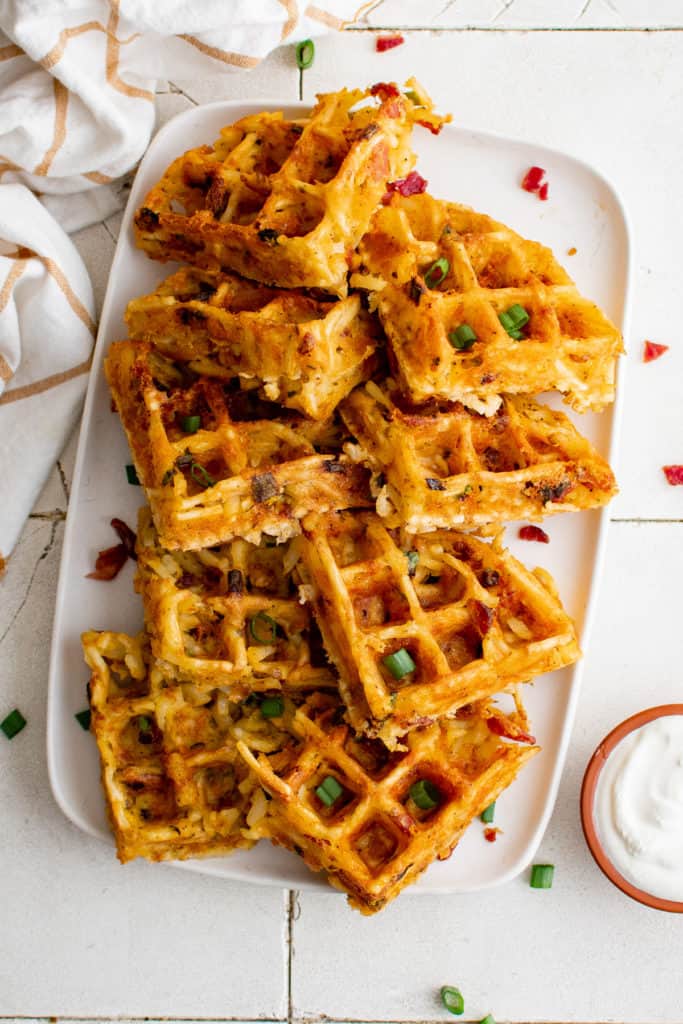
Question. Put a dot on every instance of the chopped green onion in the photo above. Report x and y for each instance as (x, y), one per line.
(436, 274)
(200, 476)
(463, 337)
(542, 876)
(425, 795)
(329, 790)
(507, 322)
(487, 815)
(191, 424)
(413, 97)
(488, 1019)
(413, 560)
(13, 724)
(272, 707)
(518, 314)
(399, 663)
(263, 629)
(516, 334)
(83, 719)
(452, 999)
(144, 723)
(132, 476)
(305, 53)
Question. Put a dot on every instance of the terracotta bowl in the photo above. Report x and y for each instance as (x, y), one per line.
(588, 788)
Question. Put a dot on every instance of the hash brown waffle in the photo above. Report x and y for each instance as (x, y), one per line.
(373, 839)
(443, 468)
(567, 345)
(231, 477)
(174, 782)
(229, 616)
(283, 201)
(470, 618)
(302, 352)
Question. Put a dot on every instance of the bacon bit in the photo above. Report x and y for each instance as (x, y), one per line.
(435, 129)
(531, 182)
(543, 191)
(572, 251)
(534, 533)
(482, 616)
(491, 834)
(385, 90)
(653, 351)
(388, 42)
(500, 728)
(110, 561)
(412, 185)
(673, 474)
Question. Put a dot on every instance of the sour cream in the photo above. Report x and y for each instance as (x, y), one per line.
(638, 807)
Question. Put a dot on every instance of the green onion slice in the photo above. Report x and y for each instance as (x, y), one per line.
(413, 561)
(487, 815)
(542, 876)
(329, 790)
(13, 724)
(272, 707)
(200, 476)
(513, 320)
(132, 476)
(436, 274)
(191, 424)
(399, 663)
(144, 723)
(518, 314)
(83, 719)
(452, 999)
(305, 54)
(263, 629)
(463, 337)
(425, 795)
(488, 1019)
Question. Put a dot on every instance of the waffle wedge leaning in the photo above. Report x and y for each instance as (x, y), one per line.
(351, 808)
(215, 465)
(438, 268)
(438, 468)
(420, 625)
(302, 352)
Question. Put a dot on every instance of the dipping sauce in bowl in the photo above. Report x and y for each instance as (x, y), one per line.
(632, 807)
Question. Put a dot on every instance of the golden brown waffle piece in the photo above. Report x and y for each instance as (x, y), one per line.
(229, 616)
(419, 626)
(366, 827)
(441, 468)
(304, 353)
(283, 201)
(567, 345)
(213, 466)
(174, 783)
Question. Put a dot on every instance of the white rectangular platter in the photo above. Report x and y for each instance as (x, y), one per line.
(470, 167)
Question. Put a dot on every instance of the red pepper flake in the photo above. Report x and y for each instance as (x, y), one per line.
(110, 561)
(385, 90)
(653, 351)
(534, 533)
(413, 185)
(673, 474)
(388, 42)
(501, 728)
(482, 616)
(533, 182)
(491, 834)
(435, 129)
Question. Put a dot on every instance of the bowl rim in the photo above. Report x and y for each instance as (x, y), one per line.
(587, 804)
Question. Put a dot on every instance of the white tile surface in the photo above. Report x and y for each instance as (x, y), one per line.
(83, 937)
(579, 952)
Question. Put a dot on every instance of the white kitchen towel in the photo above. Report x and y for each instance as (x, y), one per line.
(46, 334)
(77, 81)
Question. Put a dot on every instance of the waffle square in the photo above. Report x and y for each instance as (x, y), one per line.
(446, 467)
(470, 618)
(282, 200)
(568, 345)
(302, 352)
(174, 783)
(229, 616)
(239, 474)
(373, 839)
